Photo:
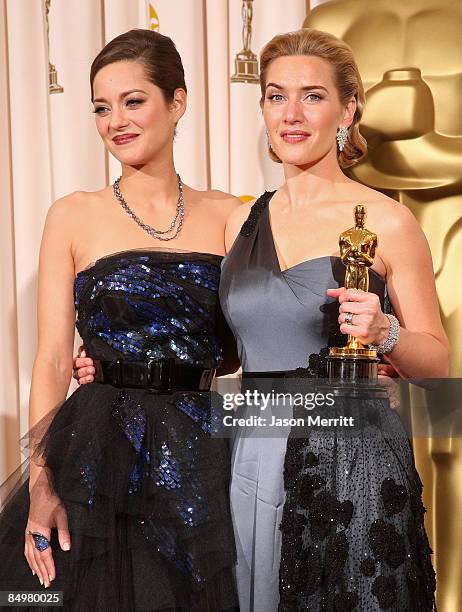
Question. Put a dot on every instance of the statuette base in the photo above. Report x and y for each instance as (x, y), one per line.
(53, 85)
(246, 66)
(350, 364)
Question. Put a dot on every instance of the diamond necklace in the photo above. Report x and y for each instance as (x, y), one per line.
(152, 231)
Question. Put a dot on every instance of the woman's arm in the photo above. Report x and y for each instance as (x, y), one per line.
(51, 373)
(423, 349)
(55, 314)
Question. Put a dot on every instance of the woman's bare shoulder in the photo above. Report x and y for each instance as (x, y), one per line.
(79, 207)
(241, 212)
(218, 202)
(399, 233)
(385, 210)
(71, 216)
(79, 201)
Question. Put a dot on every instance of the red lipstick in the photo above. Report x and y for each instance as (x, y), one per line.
(122, 139)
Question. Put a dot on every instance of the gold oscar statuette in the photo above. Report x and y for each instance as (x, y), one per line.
(53, 85)
(246, 63)
(357, 252)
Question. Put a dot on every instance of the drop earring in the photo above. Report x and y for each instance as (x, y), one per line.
(342, 137)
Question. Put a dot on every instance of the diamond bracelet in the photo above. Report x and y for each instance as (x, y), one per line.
(391, 340)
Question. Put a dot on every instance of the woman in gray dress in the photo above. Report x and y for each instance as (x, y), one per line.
(352, 535)
(352, 532)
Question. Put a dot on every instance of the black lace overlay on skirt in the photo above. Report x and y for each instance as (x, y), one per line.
(353, 532)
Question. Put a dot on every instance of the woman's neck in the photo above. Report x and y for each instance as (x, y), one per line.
(154, 184)
(317, 183)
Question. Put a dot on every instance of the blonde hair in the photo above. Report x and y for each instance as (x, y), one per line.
(346, 78)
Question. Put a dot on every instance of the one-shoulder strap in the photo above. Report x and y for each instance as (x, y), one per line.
(258, 207)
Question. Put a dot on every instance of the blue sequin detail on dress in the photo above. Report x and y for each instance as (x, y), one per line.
(146, 305)
(135, 305)
(166, 473)
(131, 417)
(170, 548)
(88, 471)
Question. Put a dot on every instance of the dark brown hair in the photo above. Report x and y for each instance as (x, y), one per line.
(156, 52)
(346, 78)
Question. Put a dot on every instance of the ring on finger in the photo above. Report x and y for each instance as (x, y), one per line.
(349, 318)
(41, 543)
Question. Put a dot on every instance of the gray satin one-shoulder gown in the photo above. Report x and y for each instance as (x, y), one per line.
(279, 318)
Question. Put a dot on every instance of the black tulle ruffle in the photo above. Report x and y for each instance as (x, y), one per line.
(145, 489)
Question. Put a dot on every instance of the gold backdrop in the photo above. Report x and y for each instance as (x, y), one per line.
(410, 57)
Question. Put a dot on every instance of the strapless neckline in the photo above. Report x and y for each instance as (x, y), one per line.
(148, 251)
(136, 304)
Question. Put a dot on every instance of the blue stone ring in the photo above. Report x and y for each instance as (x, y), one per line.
(41, 542)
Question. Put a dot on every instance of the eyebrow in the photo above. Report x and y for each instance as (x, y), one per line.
(122, 95)
(305, 88)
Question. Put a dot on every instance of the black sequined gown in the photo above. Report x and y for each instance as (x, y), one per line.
(144, 484)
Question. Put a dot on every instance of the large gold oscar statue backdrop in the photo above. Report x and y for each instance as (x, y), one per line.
(410, 57)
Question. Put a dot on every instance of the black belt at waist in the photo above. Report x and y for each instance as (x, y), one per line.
(277, 374)
(157, 375)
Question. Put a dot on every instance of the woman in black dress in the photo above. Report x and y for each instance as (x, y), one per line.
(127, 504)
